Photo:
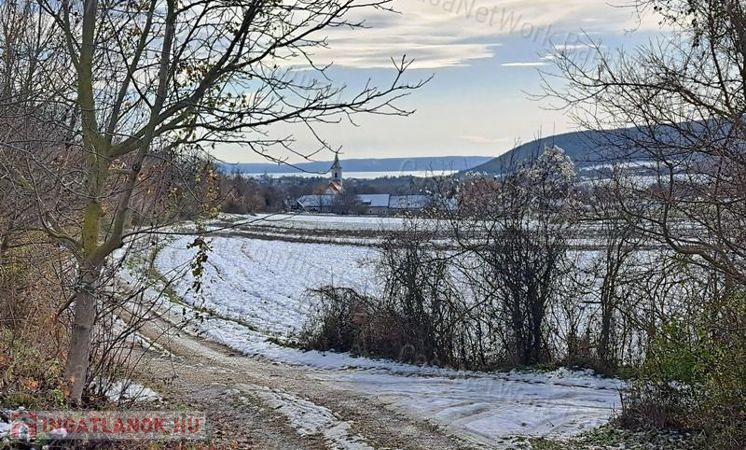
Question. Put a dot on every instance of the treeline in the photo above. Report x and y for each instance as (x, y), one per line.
(241, 194)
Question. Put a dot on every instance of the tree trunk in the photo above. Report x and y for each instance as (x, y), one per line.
(604, 346)
(76, 367)
(3, 248)
(536, 342)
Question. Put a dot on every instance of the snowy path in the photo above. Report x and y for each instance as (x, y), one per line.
(264, 283)
(269, 406)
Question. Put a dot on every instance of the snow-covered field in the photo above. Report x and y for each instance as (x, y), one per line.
(266, 283)
(258, 288)
(323, 222)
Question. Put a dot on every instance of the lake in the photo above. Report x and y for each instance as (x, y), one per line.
(357, 175)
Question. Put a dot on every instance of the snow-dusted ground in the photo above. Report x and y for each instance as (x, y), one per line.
(556, 404)
(128, 390)
(264, 284)
(322, 222)
(310, 419)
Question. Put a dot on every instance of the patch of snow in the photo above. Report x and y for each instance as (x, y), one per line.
(4, 429)
(310, 419)
(130, 391)
(491, 407)
(327, 222)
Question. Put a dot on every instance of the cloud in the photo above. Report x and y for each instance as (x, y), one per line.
(427, 54)
(448, 33)
(524, 64)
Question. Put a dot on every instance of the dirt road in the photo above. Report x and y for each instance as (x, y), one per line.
(255, 403)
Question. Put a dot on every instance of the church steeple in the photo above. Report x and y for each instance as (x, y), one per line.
(336, 170)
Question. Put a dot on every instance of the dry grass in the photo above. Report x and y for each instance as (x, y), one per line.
(32, 336)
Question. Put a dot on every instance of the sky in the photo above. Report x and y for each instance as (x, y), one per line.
(484, 57)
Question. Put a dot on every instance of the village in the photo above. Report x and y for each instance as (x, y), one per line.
(334, 199)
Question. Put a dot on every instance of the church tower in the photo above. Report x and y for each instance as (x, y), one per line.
(337, 171)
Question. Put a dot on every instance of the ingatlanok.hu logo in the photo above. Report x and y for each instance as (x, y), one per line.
(27, 426)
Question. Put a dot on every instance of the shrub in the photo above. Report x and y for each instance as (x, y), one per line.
(346, 321)
(335, 327)
(653, 404)
(679, 354)
(695, 377)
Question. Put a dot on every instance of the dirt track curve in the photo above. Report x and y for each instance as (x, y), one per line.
(238, 394)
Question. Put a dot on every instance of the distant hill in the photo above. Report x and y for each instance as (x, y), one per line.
(393, 165)
(585, 148)
(593, 148)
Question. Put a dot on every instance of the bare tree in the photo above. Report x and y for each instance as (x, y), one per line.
(620, 242)
(163, 74)
(684, 98)
(517, 230)
(347, 202)
(31, 122)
